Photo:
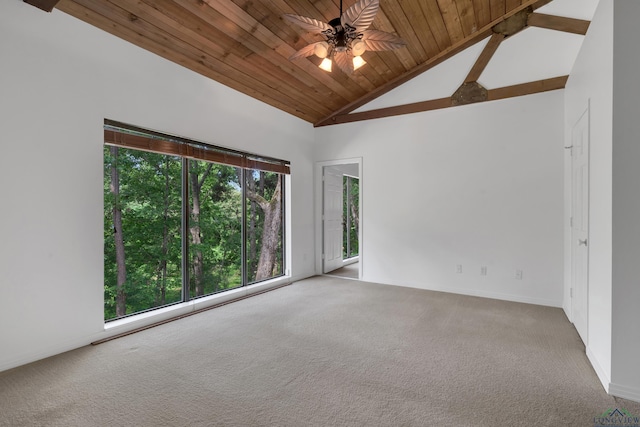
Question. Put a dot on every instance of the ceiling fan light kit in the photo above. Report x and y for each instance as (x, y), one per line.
(325, 64)
(347, 37)
(358, 62)
(321, 50)
(358, 48)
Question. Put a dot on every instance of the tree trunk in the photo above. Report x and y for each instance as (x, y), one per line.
(251, 233)
(165, 239)
(121, 298)
(270, 231)
(261, 184)
(355, 217)
(197, 262)
(196, 238)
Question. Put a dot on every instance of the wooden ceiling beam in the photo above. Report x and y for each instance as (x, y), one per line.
(559, 23)
(530, 88)
(432, 62)
(398, 110)
(484, 58)
(46, 5)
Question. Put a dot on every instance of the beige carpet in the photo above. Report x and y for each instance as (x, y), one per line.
(324, 352)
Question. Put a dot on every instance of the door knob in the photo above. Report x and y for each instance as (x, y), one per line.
(582, 242)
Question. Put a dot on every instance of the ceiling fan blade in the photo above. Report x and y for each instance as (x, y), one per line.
(360, 15)
(381, 40)
(309, 24)
(304, 52)
(344, 61)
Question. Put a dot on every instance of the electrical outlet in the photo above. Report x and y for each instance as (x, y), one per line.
(519, 274)
(483, 270)
(459, 269)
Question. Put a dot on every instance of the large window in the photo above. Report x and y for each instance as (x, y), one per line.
(183, 220)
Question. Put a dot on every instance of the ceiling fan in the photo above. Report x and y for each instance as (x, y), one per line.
(347, 37)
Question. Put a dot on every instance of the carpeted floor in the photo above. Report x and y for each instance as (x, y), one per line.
(324, 352)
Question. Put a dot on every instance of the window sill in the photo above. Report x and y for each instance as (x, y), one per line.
(165, 314)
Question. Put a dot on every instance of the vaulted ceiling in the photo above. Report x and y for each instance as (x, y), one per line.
(246, 45)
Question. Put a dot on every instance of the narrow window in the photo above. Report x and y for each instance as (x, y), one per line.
(350, 216)
(215, 228)
(264, 225)
(142, 231)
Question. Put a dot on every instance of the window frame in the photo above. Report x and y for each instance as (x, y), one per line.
(135, 138)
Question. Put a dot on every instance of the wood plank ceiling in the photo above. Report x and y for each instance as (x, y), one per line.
(245, 45)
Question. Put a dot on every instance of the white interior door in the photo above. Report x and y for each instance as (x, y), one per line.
(332, 219)
(580, 225)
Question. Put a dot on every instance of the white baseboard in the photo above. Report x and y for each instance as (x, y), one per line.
(601, 373)
(479, 293)
(31, 357)
(629, 393)
(567, 312)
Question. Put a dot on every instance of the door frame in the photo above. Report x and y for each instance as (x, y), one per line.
(319, 224)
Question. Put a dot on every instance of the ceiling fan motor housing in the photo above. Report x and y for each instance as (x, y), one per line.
(346, 38)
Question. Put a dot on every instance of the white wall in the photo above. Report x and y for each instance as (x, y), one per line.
(605, 77)
(480, 185)
(60, 78)
(625, 346)
(591, 83)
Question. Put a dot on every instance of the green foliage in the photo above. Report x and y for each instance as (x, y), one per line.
(150, 200)
(220, 227)
(150, 204)
(350, 196)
